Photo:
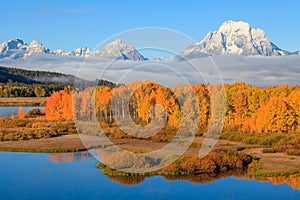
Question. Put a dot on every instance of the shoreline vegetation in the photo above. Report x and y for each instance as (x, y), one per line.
(260, 134)
(23, 101)
(64, 138)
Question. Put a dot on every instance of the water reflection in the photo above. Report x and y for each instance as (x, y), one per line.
(82, 180)
(8, 111)
(128, 180)
(197, 179)
(292, 180)
(68, 157)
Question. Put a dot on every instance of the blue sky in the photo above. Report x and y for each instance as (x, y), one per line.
(72, 24)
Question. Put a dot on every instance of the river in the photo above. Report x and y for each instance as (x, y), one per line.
(7, 111)
(74, 176)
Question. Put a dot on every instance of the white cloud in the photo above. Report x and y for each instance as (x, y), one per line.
(261, 71)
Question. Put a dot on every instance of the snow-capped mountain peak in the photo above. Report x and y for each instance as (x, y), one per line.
(9, 48)
(13, 44)
(234, 38)
(36, 47)
(232, 26)
(82, 52)
(119, 50)
(17, 48)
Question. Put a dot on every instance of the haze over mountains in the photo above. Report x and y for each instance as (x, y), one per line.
(232, 38)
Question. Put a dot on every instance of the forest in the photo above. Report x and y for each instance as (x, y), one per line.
(34, 76)
(257, 117)
(249, 109)
(265, 117)
(13, 90)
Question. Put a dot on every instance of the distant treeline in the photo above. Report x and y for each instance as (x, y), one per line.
(32, 83)
(35, 76)
(28, 90)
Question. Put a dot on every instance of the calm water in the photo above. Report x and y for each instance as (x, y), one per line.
(74, 176)
(7, 111)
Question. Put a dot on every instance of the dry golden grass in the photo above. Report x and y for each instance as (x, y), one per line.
(23, 101)
(65, 143)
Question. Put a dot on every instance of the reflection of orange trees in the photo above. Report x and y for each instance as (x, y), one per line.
(128, 180)
(292, 180)
(214, 163)
(196, 178)
(206, 178)
(248, 109)
(67, 157)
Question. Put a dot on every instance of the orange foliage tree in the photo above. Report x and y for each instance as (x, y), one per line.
(59, 106)
(248, 109)
(21, 114)
(276, 116)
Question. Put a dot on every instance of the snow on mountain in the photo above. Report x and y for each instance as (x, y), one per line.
(35, 47)
(17, 48)
(234, 38)
(118, 50)
(82, 52)
(13, 48)
(59, 52)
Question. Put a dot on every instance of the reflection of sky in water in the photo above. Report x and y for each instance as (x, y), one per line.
(35, 176)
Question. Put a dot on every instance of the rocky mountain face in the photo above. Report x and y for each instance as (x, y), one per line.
(232, 38)
(118, 50)
(17, 48)
(236, 38)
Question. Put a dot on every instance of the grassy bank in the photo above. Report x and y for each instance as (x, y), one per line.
(275, 154)
(23, 101)
(216, 162)
(64, 143)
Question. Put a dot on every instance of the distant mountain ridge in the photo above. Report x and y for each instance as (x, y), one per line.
(8, 74)
(232, 38)
(236, 38)
(17, 48)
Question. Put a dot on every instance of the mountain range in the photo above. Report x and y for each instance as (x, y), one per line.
(232, 38)
(17, 48)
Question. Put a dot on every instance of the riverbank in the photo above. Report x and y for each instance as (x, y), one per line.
(64, 143)
(23, 101)
(263, 164)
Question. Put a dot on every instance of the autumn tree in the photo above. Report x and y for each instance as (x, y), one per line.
(103, 96)
(39, 91)
(274, 109)
(276, 116)
(21, 114)
(59, 106)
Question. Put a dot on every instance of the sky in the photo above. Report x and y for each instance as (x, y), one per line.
(72, 24)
